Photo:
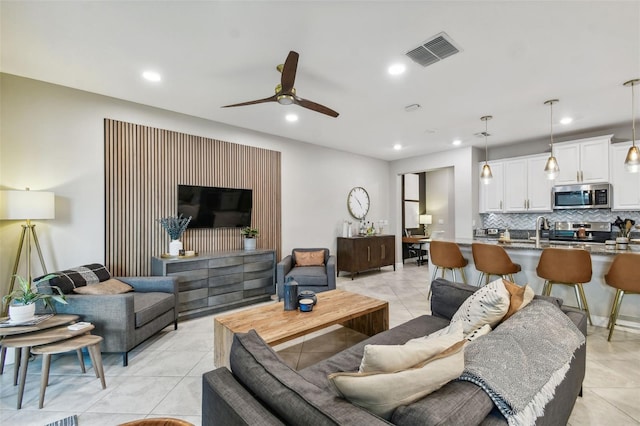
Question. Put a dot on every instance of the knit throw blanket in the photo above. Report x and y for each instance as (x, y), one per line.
(523, 360)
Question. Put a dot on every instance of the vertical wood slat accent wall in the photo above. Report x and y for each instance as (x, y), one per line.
(143, 167)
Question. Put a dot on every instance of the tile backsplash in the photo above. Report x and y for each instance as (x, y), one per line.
(528, 220)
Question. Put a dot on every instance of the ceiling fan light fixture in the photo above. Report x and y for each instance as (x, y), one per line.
(485, 174)
(632, 161)
(551, 169)
(285, 99)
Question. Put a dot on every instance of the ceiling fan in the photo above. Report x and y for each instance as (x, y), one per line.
(286, 93)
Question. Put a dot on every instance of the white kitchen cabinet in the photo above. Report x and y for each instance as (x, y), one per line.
(626, 186)
(491, 196)
(526, 187)
(583, 161)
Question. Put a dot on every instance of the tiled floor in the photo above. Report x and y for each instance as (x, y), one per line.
(164, 374)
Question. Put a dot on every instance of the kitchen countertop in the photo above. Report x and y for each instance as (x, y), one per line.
(525, 244)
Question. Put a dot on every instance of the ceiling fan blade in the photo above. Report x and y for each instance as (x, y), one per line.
(315, 107)
(288, 77)
(258, 101)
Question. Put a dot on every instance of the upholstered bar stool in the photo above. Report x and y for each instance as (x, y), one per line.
(447, 257)
(624, 276)
(570, 267)
(491, 259)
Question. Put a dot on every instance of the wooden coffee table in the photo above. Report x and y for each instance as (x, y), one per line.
(275, 325)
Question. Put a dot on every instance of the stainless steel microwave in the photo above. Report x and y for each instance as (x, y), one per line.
(595, 196)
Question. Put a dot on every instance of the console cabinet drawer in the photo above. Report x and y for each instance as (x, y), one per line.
(212, 282)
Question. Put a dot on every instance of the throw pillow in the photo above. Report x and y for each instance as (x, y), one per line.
(70, 279)
(486, 306)
(382, 393)
(478, 332)
(111, 286)
(520, 297)
(309, 258)
(390, 358)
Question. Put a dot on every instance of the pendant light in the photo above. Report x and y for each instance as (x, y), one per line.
(632, 162)
(486, 175)
(551, 169)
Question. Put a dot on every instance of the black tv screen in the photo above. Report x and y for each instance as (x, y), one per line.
(212, 207)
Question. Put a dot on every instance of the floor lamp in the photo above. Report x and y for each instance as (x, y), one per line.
(27, 205)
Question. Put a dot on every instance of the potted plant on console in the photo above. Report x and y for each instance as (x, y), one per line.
(175, 227)
(250, 234)
(22, 301)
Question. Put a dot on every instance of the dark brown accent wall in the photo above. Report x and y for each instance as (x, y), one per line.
(143, 167)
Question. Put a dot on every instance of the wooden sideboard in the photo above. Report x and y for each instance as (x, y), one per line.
(213, 282)
(358, 254)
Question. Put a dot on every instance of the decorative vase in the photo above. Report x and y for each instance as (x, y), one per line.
(249, 244)
(622, 243)
(22, 313)
(174, 247)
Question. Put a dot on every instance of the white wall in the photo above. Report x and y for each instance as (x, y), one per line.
(440, 202)
(465, 186)
(52, 138)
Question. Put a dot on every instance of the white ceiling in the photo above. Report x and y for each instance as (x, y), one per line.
(515, 55)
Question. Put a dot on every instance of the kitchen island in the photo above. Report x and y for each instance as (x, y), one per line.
(599, 294)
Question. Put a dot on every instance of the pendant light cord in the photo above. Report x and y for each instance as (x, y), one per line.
(551, 125)
(633, 113)
(486, 148)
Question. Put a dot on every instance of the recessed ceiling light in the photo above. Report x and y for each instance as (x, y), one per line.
(291, 117)
(397, 147)
(151, 76)
(566, 120)
(456, 142)
(396, 69)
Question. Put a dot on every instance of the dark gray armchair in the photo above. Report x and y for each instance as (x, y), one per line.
(315, 278)
(126, 320)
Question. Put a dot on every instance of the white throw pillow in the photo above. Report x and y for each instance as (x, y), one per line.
(382, 393)
(390, 358)
(486, 306)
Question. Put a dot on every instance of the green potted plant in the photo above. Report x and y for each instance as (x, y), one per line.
(22, 301)
(250, 234)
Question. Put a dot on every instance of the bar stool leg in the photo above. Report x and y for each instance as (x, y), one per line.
(453, 271)
(615, 310)
(584, 302)
(479, 283)
(3, 356)
(464, 278)
(44, 381)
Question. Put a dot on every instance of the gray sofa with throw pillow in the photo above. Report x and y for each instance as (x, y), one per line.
(261, 389)
(312, 268)
(124, 310)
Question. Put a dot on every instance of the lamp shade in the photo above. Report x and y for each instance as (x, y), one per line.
(21, 205)
(425, 219)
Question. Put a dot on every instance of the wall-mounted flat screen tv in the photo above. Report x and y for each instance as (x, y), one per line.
(213, 207)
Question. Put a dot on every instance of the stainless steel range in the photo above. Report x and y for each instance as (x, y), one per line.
(585, 232)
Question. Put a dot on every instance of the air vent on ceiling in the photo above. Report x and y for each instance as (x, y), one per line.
(433, 50)
(482, 134)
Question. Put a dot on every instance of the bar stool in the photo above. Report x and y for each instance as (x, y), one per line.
(624, 276)
(491, 259)
(447, 256)
(570, 267)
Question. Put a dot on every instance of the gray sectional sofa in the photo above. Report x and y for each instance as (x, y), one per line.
(262, 390)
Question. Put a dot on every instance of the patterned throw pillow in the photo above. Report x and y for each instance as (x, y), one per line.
(486, 306)
(69, 279)
(520, 297)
